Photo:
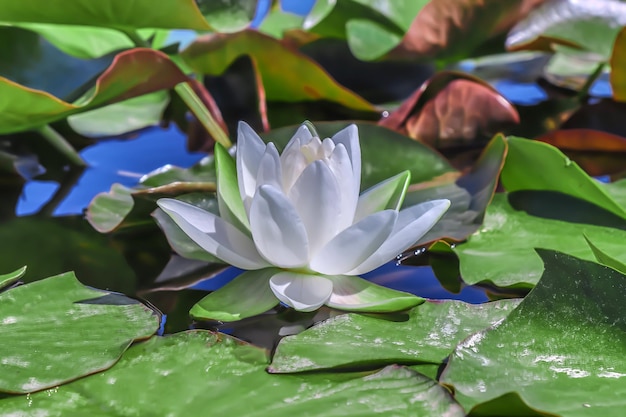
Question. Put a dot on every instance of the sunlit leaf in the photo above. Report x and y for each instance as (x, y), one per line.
(560, 350)
(11, 277)
(589, 25)
(57, 330)
(117, 14)
(551, 171)
(132, 73)
(452, 108)
(501, 251)
(428, 335)
(190, 373)
(305, 80)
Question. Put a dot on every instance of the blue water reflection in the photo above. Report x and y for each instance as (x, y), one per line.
(415, 280)
(111, 161)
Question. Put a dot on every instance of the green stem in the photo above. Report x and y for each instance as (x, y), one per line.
(191, 99)
(584, 91)
(196, 106)
(59, 143)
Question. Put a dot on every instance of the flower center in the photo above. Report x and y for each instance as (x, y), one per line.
(316, 150)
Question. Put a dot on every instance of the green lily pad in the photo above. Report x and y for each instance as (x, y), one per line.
(428, 335)
(11, 278)
(561, 350)
(117, 14)
(57, 330)
(606, 259)
(552, 171)
(501, 251)
(305, 80)
(132, 73)
(199, 372)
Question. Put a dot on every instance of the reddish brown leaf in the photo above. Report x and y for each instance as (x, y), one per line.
(598, 153)
(452, 27)
(451, 108)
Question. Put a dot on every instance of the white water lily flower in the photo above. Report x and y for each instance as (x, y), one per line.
(301, 212)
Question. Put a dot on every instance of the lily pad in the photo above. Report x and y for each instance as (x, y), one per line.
(552, 171)
(190, 373)
(57, 330)
(560, 350)
(132, 73)
(501, 251)
(11, 278)
(305, 80)
(428, 335)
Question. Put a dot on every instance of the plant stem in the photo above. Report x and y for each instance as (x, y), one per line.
(191, 99)
(196, 106)
(584, 91)
(59, 143)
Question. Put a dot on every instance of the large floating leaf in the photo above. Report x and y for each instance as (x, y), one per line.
(384, 153)
(304, 81)
(56, 330)
(427, 336)
(561, 351)
(590, 25)
(118, 14)
(501, 251)
(552, 171)
(196, 373)
(132, 73)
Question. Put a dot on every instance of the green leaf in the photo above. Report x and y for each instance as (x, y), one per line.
(196, 373)
(123, 117)
(501, 251)
(428, 335)
(305, 80)
(11, 278)
(228, 16)
(247, 295)
(606, 259)
(592, 27)
(352, 293)
(107, 210)
(117, 14)
(57, 330)
(132, 73)
(552, 171)
(384, 153)
(561, 350)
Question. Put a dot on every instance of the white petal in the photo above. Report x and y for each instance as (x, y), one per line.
(413, 223)
(349, 137)
(388, 194)
(250, 149)
(316, 197)
(269, 168)
(355, 244)
(301, 291)
(214, 235)
(277, 230)
(339, 163)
